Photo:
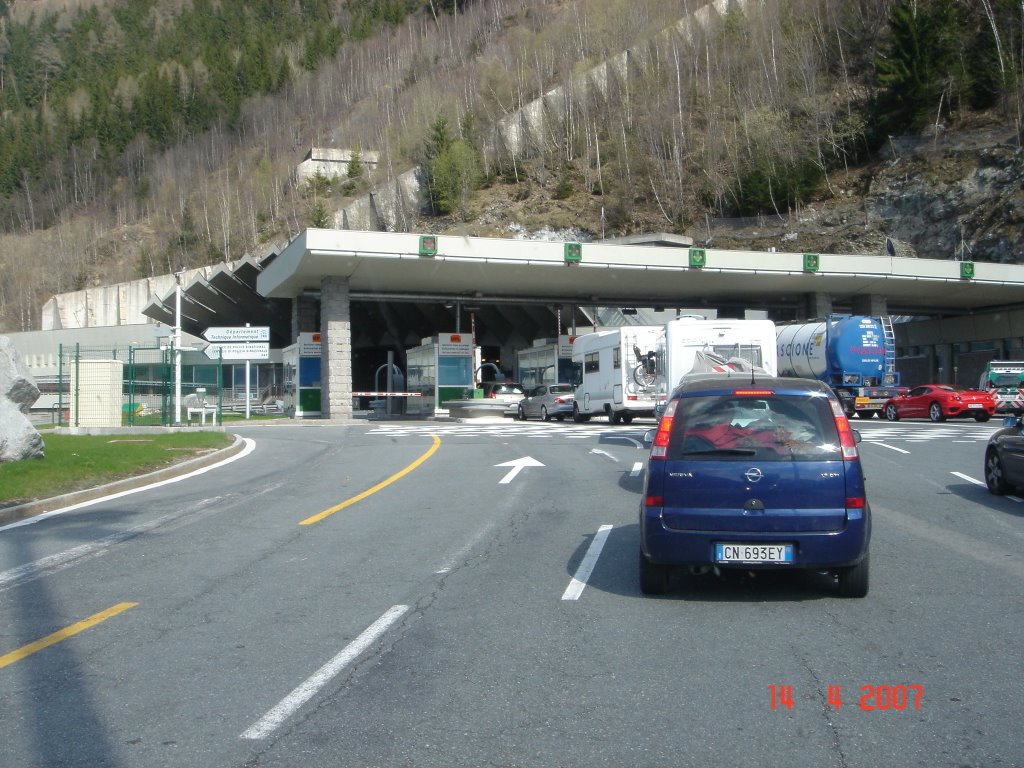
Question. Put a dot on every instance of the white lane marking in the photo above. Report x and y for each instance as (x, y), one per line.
(637, 443)
(58, 562)
(890, 447)
(579, 581)
(599, 452)
(638, 467)
(457, 557)
(969, 479)
(250, 446)
(290, 703)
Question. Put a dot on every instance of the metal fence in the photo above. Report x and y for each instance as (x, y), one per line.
(132, 386)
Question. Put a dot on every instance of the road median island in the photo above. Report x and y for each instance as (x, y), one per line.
(39, 506)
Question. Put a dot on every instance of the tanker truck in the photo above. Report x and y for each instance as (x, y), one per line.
(853, 354)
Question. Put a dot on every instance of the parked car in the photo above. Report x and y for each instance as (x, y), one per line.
(546, 401)
(1004, 458)
(508, 392)
(939, 402)
(754, 475)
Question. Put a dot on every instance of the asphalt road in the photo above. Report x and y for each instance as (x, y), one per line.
(394, 594)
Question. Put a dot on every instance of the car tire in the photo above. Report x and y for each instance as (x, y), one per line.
(891, 413)
(853, 581)
(544, 416)
(627, 418)
(935, 413)
(995, 478)
(521, 413)
(982, 417)
(613, 417)
(579, 418)
(653, 577)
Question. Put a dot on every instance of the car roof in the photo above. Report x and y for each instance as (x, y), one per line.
(711, 383)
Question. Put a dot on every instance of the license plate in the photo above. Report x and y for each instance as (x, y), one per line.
(754, 553)
(975, 405)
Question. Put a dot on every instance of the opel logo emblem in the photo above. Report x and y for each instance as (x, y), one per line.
(753, 475)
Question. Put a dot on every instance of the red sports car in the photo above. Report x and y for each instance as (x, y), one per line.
(939, 402)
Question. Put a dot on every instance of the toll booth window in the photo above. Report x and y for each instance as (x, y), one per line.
(454, 371)
(309, 372)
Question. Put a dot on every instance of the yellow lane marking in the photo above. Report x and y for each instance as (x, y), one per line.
(383, 483)
(63, 634)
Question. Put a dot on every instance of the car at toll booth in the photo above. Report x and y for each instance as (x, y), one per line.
(939, 402)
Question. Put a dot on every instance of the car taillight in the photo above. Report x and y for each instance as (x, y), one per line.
(659, 449)
(493, 394)
(654, 501)
(560, 401)
(846, 439)
(855, 502)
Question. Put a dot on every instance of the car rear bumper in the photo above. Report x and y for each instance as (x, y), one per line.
(826, 549)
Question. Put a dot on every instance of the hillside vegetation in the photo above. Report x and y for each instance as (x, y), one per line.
(138, 137)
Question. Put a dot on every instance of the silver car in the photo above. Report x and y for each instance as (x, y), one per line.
(546, 401)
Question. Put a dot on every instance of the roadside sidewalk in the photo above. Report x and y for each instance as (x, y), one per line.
(38, 507)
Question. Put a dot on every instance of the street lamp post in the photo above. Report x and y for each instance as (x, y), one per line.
(177, 348)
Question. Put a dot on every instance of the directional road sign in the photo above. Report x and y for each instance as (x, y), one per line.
(243, 351)
(238, 333)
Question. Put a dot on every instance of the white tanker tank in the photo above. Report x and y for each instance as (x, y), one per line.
(854, 354)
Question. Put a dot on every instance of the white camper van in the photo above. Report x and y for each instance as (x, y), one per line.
(617, 376)
(699, 345)
(746, 342)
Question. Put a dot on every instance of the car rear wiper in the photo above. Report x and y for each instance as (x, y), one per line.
(721, 452)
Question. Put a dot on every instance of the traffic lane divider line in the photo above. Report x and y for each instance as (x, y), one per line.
(63, 634)
(579, 580)
(370, 491)
(884, 445)
(970, 479)
(315, 682)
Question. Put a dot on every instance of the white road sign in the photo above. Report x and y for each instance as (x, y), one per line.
(245, 351)
(238, 333)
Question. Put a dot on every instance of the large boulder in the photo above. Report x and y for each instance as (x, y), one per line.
(18, 391)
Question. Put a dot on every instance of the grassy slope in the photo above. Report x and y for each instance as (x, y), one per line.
(75, 462)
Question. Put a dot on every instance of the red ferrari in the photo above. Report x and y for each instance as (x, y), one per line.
(939, 402)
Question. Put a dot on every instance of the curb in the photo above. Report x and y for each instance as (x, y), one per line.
(39, 506)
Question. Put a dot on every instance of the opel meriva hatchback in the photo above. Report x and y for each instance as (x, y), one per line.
(754, 474)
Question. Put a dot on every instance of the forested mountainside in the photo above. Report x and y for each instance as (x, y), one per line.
(138, 137)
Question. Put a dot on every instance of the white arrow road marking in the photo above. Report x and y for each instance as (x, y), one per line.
(517, 467)
(599, 452)
(638, 467)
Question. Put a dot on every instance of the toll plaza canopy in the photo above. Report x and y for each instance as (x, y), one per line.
(403, 266)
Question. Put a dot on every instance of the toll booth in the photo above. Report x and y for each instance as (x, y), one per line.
(548, 361)
(440, 369)
(302, 372)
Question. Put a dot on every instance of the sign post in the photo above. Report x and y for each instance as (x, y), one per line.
(238, 343)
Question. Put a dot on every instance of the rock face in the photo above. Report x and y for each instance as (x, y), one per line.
(18, 438)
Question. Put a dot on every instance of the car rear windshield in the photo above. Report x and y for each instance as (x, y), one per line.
(768, 427)
(560, 389)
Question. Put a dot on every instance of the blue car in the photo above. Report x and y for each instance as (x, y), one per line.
(754, 474)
